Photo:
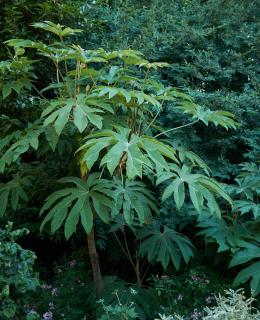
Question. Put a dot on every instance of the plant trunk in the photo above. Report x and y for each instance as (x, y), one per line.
(138, 275)
(94, 260)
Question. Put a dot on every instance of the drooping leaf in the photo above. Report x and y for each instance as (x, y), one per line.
(133, 198)
(164, 245)
(78, 202)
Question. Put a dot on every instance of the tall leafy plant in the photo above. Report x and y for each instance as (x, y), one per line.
(108, 104)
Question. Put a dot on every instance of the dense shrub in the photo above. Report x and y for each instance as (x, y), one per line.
(208, 57)
(17, 277)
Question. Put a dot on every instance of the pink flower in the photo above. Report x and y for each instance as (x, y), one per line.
(72, 263)
(47, 315)
(195, 278)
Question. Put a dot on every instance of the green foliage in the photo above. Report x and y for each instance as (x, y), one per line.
(133, 197)
(123, 311)
(17, 276)
(232, 306)
(241, 235)
(163, 244)
(13, 190)
(57, 297)
(187, 293)
(16, 74)
(67, 111)
(57, 29)
(92, 84)
(133, 300)
(138, 152)
(16, 17)
(201, 188)
(248, 252)
(211, 47)
(227, 235)
(78, 202)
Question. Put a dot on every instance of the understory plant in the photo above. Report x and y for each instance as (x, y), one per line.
(239, 234)
(189, 292)
(100, 114)
(17, 277)
(233, 306)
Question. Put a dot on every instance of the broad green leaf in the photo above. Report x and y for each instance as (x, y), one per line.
(80, 119)
(164, 246)
(249, 252)
(86, 216)
(58, 218)
(83, 201)
(4, 200)
(133, 198)
(252, 272)
(126, 151)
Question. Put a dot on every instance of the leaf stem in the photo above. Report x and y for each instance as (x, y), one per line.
(176, 128)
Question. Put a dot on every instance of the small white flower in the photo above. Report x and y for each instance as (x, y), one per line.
(133, 291)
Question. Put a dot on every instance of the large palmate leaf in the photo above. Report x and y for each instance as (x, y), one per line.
(249, 252)
(227, 236)
(164, 245)
(16, 75)
(133, 198)
(247, 206)
(25, 140)
(80, 202)
(14, 192)
(130, 98)
(57, 29)
(125, 150)
(218, 117)
(83, 110)
(194, 160)
(248, 183)
(201, 188)
(252, 272)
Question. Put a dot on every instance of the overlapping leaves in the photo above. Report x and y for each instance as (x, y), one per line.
(82, 110)
(249, 253)
(202, 189)
(125, 150)
(226, 235)
(25, 140)
(133, 198)
(13, 191)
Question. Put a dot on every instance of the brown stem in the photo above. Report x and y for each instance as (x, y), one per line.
(138, 274)
(94, 260)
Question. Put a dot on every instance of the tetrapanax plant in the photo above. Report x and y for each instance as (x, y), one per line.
(107, 103)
